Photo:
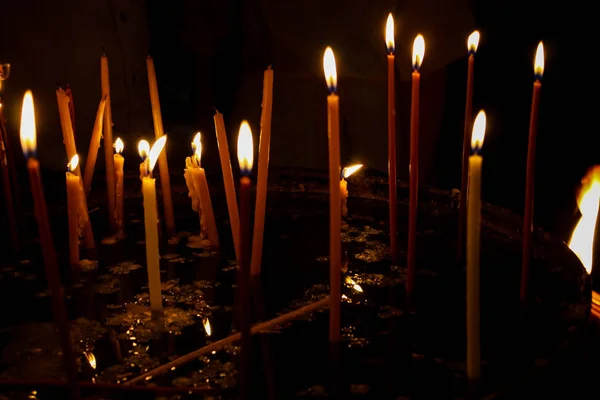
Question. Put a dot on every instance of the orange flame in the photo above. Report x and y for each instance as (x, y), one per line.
(582, 240)
(207, 328)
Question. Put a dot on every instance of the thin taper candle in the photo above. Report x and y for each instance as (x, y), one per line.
(392, 169)
(90, 163)
(530, 171)
(119, 162)
(413, 200)
(108, 142)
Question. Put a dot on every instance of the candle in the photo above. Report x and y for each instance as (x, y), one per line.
(163, 166)
(90, 163)
(335, 212)
(10, 160)
(389, 40)
(473, 255)
(28, 143)
(263, 169)
(346, 173)
(209, 227)
(538, 69)
(108, 141)
(245, 158)
(69, 93)
(69, 140)
(73, 207)
(143, 149)
(234, 216)
(417, 59)
(151, 225)
(8, 195)
(472, 44)
(119, 161)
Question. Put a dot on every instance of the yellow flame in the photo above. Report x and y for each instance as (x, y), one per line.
(330, 69)
(418, 51)
(346, 172)
(207, 328)
(245, 149)
(143, 148)
(389, 34)
(91, 358)
(155, 152)
(478, 130)
(538, 64)
(582, 240)
(473, 41)
(72, 165)
(354, 285)
(28, 135)
(197, 146)
(119, 146)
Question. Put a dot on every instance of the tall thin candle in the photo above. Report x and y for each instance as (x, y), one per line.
(73, 207)
(245, 151)
(472, 44)
(151, 225)
(28, 143)
(391, 59)
(413, 201)
(90, 163)
(263, 170)
(108, 141)
(335, 212)
(473, 251)
(119, 161)
(8, 196)
(163, 165)
(538, 69)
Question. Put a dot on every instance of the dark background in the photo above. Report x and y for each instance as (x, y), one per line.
(213, 53)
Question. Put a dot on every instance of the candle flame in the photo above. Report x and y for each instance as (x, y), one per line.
(346, 172)
(28, 135)
(538, 64)
(197, 146)
(119, 146)
(155, 152)
(389, 34)
(582, 239)
(478, 132)
(245, 148)
(91, 358)
(418, 52)
(473, 42)
(143, 149)
(207, 327)
(330, 70)
(353, 284)
(72, 165)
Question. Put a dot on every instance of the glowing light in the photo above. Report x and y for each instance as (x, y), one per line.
(28, 135)
(245, 148)
(91, 358)
(157, 147)
(418, 52)
(207, 328)
(582, 240)
(348, 171)
(353, 284)
(119, 146)
(72, 165)
(473, 42)
(197, 147)
(330, 70)
(143, 149)
(478, 131)
(538, 64)
(389, 34)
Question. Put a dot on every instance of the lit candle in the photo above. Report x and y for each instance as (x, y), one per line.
(209, 227)
(143, 149)
(538, 69)
(413, 201)
(108, 141)
(263, 169)
(163, 165)
(472, 44)
(335, 202)
(232, 207)
(151, 224)
(389, 41)
(245, 152)
(346, 173)
(73, 207)
(119, 161)
(90, 163)
(473, 255)
(28, 144)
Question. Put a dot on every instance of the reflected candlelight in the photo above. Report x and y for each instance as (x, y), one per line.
(207, 327)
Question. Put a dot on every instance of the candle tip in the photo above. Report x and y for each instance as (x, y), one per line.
(28, 134)
(330, 69)
(73, 163)
(538, 64)
(389, 34)
(418, 52)
(478, 132)
(473, 42)
(348, 171)
(143, 149)
(119, 146)
(155, 151)
(245, 148)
